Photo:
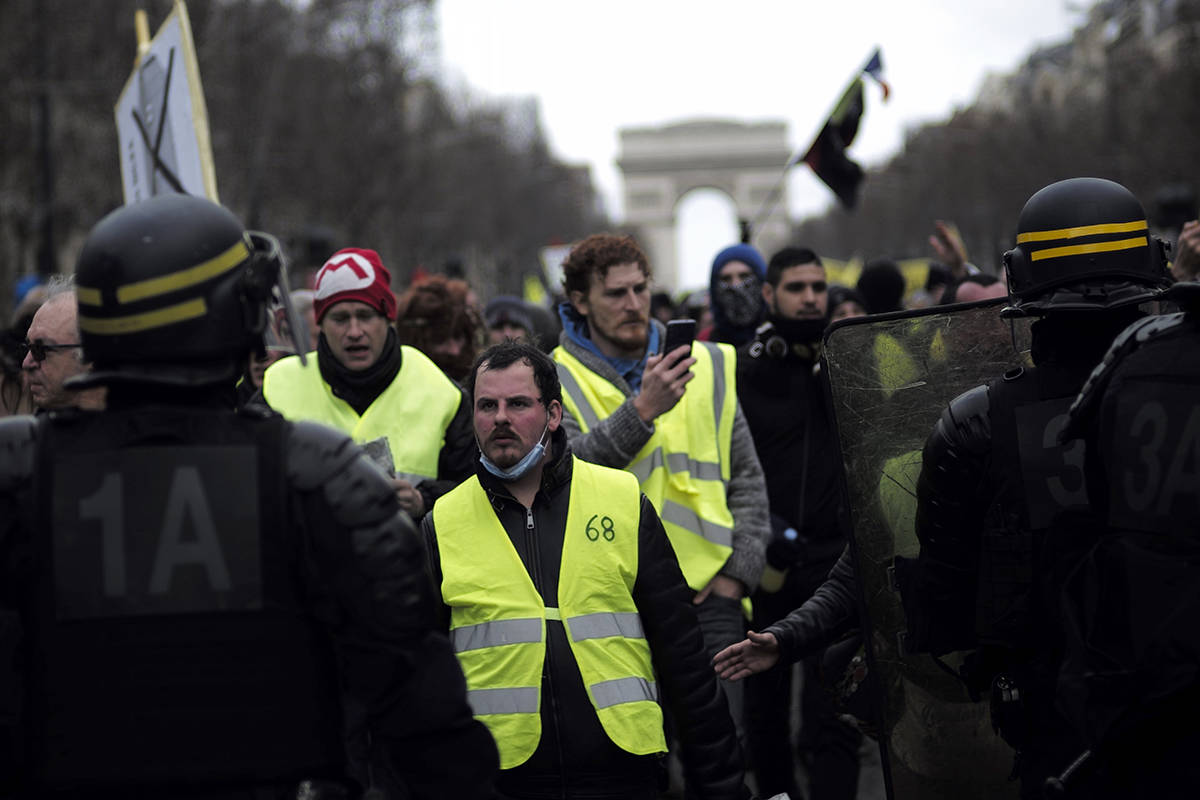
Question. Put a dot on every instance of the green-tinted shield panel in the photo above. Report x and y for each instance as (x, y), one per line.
(891, 377)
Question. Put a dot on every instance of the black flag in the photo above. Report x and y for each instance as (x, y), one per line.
(827, 155)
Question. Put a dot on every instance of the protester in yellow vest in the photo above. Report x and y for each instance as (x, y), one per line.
(673, 421)
(390, 397)
(567, 608)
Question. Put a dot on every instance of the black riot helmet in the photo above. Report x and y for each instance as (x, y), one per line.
(1083, 244)
(173, 290)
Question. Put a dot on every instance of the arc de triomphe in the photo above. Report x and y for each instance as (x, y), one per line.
(660, 165)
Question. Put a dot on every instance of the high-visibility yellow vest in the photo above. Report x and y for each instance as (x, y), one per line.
(413, 412)
(498, 619)
(684, 467)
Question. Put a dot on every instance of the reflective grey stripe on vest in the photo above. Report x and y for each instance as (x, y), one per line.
(519, 700)
(718, 366)
(496, 633)
(675, 462)
(624, 690)
(604, 624)
(571, 388)
(684, 517)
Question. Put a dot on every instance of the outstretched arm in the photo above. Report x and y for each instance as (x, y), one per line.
(810, 628)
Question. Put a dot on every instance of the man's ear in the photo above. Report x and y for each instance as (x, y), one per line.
(579, 301)
(554, 412)
(768, 294)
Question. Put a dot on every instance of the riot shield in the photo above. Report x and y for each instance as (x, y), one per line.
(891, 376)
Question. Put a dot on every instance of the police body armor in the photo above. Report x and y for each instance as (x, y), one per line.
(1032, 480)
(1130, 673)
(174, 580)
(995, 479)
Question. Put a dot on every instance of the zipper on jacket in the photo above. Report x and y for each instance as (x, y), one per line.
(550, 695)
(531, 542)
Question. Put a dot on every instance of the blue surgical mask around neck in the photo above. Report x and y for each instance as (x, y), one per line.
(519, 469)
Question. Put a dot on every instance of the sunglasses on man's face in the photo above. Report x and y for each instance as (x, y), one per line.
(39, 349)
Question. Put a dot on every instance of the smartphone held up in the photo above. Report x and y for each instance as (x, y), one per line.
(680, 332)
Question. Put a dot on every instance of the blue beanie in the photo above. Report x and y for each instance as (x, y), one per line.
(723, 329)
(745, 253)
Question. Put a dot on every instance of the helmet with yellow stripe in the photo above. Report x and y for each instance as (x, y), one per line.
(1083, 244)
(172, 290)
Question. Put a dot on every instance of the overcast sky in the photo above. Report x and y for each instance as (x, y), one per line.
(600, 65)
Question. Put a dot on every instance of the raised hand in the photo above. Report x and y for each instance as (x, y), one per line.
(948, 247)
(1187, 253)
(664, 381)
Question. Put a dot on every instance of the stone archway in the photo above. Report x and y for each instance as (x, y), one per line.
(660, 165)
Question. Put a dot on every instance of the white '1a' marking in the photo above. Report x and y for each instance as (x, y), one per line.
(186, 500)
(105, 505)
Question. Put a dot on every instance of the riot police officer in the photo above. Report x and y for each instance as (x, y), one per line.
(994, 477)
(200, 588)
(1130, 677)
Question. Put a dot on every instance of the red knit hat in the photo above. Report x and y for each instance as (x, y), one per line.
(354, 274)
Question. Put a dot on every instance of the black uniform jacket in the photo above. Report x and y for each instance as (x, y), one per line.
(575, 754)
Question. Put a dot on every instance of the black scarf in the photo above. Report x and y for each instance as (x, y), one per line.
(359, 388)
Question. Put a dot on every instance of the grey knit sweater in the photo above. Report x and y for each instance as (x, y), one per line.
(616, 440)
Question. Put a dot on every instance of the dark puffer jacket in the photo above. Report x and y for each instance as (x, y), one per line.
(575, 755)
(829, 613)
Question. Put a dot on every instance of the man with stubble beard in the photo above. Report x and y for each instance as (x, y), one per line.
(673, 420)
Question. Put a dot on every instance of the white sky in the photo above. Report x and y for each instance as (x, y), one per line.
(600, 65)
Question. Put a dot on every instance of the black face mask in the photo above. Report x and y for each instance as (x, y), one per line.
(799, 331)
(740, 302)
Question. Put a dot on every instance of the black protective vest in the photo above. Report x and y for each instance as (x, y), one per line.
(172, 646)
(1036, 480)
(1131, 675)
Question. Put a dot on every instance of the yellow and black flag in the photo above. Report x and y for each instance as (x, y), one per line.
(827, 154)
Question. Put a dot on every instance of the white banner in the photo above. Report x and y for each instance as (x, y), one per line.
(162, 121)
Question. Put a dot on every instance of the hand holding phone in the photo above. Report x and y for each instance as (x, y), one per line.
(665, 379)
(680, 332)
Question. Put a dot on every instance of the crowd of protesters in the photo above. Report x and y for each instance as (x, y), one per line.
(487, 414)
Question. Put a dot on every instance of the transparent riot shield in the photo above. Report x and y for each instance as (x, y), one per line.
(891, 376)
